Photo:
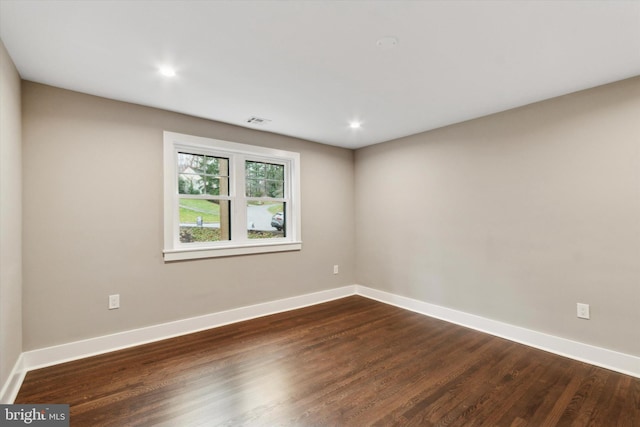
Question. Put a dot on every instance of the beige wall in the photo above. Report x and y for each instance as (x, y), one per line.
(93, 222)
(10, 216)
(515, 217)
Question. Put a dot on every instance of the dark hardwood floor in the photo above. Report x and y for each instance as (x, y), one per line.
(350, 362)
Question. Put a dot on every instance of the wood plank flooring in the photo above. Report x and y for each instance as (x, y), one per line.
(349, 362)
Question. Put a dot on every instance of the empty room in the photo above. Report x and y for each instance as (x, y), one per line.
(319, 213)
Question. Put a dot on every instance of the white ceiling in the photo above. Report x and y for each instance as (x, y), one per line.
(311, 67)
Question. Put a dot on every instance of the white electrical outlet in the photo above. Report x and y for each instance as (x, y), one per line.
(336, 269)
(114, 301)
(583, 311)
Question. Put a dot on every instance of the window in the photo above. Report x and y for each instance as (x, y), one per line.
(223, 198)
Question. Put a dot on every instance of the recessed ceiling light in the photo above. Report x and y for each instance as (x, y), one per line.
(355, 125)
(167, 71)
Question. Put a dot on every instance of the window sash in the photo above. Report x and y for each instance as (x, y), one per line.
(237, 155)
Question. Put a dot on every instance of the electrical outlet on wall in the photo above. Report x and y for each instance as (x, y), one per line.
(114, 301)
(583, 311)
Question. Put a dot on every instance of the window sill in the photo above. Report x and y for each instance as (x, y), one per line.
(199, 253)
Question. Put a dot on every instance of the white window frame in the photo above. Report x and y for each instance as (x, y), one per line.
(240, 244)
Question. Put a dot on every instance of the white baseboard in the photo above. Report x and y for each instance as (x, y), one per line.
(12, 385)
(54, 355)
(34, 359)
(598, 356)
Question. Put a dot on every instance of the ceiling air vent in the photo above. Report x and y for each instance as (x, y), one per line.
(253, 120)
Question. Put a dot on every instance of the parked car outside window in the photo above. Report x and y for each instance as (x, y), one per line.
(277, 221)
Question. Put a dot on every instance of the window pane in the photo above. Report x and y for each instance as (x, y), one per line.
(217, 186)
(190, 163)
(254, 169)
(264, 179)
(275, 172)
(204, 220)
(275, 188)
(265, 220)
(200, 174)
(191, 184)
(255, 187)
